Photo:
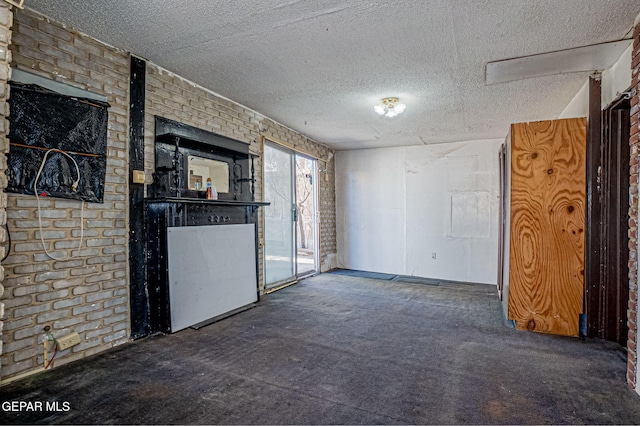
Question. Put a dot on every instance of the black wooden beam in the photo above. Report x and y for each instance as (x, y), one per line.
(592, 272)
(138, 295)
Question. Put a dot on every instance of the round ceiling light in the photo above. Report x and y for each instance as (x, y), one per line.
(390, 107)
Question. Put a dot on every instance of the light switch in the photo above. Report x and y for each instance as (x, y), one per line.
(138, 176)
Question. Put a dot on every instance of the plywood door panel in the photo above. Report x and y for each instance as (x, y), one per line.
(547, 225)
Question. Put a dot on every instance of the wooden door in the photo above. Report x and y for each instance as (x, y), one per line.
(548, 186)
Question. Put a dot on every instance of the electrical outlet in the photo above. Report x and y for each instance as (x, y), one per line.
(433, 255)
(68, 341)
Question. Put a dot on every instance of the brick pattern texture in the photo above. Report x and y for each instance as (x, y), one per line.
(88, 293)
(6, 22)
(170, 96)
(634, 142)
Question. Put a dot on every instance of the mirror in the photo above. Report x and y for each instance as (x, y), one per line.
(200, 169)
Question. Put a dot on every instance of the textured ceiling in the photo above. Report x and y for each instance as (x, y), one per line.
(320, 66)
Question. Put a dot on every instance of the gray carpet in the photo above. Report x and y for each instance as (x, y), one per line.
(381, 276)
(363, 274)
(416, 280)
(337, 349)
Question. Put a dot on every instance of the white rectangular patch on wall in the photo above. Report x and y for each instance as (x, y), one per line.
(468, 218)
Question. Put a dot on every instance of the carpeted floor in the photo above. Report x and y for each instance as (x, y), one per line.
(363, 274)
(338, 349)
(381, 276)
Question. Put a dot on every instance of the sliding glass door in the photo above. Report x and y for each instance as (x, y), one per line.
(279, 247)
(306, 225)
(291, 220)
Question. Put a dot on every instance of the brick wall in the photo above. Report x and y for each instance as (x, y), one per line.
(173, 97)
(89, 292)
(6, 22)
(634, 143)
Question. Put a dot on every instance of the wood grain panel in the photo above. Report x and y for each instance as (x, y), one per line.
(548, 193)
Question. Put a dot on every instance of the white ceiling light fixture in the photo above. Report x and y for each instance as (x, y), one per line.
(390, 107)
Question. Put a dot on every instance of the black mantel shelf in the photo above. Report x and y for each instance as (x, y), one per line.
(204, 201)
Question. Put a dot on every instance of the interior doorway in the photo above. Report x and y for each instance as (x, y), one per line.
(607, 316)
(615, 221)
(291, 221)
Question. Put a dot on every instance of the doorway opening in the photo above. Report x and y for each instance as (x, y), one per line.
(291, 221)
(608, 300)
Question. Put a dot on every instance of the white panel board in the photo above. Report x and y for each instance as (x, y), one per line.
(212, 271)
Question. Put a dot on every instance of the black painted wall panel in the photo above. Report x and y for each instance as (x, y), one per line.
(42, 122)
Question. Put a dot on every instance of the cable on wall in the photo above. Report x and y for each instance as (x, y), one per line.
(74, 187)
(82, 154)
(49, 337)
(6, 226)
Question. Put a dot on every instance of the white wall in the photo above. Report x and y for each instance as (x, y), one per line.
(614, 80)
(617, 79)
(397, 206)
(370, 220)
(579, 105)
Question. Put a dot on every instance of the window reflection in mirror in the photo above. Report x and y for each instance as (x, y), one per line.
(202, 168)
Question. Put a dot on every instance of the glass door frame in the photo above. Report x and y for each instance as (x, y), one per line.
(284, 269)
(315, 217)
(271, 287)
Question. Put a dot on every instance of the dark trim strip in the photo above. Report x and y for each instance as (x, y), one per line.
(592, 273)
(168, 130)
